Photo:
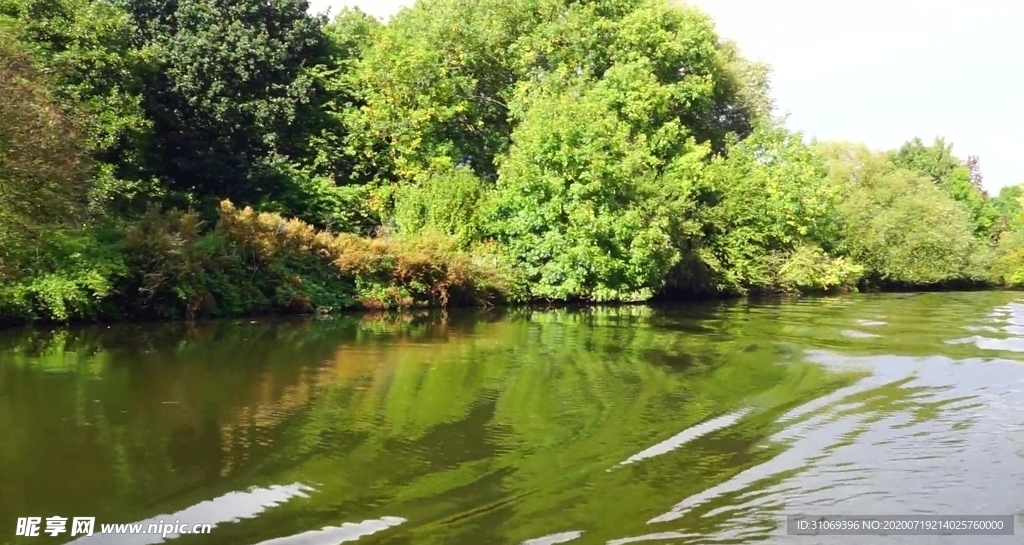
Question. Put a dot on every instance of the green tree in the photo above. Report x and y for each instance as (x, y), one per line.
(1008, 265)
(446, 202)
(589, 201)
(773, 217)
(328, 186)
(233, 102)
(44, 165)
(437, 82)
(719, 92)
(1007, 203)
(476, 149)
(87, 48)
(50, 264)
(441, 77)
(955, 177)
(901, 226)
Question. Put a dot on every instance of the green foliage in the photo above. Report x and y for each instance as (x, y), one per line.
(436, 84)
(69, 275)
(464, 152)
(323, 184)
(902, 227)
(808, 268)
(44, 168)
(45, 269)
(1008, 263)
(231, 92)
(321, 200)
(446, 202)
(87, 47)
(587, 199)
(1008, 268)
(773, 215)
(441, 78)
(1008, 204)
(953, 176)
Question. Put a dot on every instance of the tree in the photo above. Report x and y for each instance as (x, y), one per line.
(773, 218)
(1007, 203)
(437, 82)
(87, 49)
(441, 78)
(1008, 266)
(44, 165)
(233, 97)
(589, 201)
(901, 226)
(959, 180)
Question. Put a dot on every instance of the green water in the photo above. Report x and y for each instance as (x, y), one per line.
(680, 424)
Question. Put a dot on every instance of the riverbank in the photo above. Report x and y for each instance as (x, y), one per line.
(169, 266)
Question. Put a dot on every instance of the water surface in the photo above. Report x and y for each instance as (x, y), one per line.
(682, 424)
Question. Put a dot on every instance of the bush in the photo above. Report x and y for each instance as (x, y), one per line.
(416, 271)
(69, 275)
(906, 231)
(809, 269)
(446, 202)
(259, 262)
(773, 217)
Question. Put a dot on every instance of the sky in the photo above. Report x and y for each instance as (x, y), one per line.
(879, 71)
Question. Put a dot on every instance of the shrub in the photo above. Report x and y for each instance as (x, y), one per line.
(808, 268)
(70, 275)
(422, 270)
(259, 262)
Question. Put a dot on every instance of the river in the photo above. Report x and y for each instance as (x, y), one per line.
(686, 424)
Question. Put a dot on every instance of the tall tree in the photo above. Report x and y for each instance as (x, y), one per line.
(956, 178)
(773, 217)
(899, 224)
(233, 92)
(1007, 203)
(596, 191)
(44, 166)
(87, 49)
(441, 77)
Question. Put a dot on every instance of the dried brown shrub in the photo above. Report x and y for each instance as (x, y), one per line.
(426, 270)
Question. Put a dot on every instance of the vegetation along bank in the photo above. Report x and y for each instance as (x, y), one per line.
(219, 158)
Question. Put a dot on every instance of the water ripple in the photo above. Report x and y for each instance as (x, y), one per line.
(331, 535)
(553, 539)
(230, 507)
(686, 436)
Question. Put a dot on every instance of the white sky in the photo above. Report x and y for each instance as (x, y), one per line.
(880, 71)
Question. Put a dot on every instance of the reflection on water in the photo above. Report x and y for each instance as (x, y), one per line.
(337, 534)
(230, 507)
(689, 434)
(689, 424)
(553, 539)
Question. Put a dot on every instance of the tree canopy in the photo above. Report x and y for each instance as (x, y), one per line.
(220, 157)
